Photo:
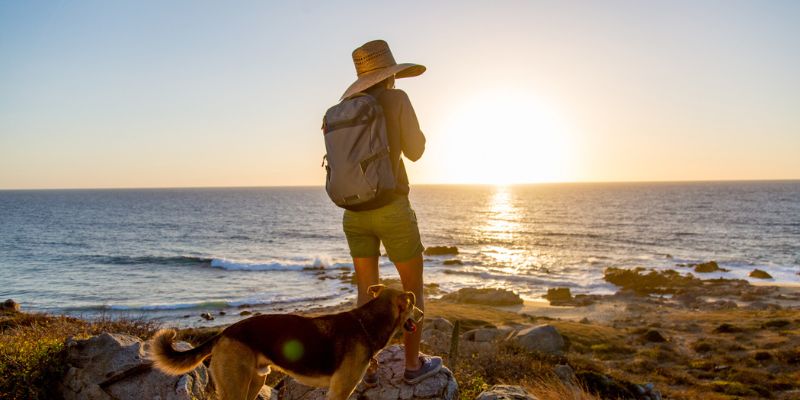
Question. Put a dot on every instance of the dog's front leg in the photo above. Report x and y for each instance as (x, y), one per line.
(344, 381)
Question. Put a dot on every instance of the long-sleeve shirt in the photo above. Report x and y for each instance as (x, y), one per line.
(402, 128)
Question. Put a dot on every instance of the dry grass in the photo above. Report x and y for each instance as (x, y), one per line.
(474, 315)
(756, 355)
(554, 389)
(709, 354)
(513, 365)
(32, 353)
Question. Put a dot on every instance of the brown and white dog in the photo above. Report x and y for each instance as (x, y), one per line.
(328, 351)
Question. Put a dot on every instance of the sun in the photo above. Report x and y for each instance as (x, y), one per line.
(503, 137)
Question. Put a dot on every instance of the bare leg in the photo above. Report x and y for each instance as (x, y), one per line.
(411, 275)
(366, 276)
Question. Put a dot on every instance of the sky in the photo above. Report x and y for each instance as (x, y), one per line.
(205, 93)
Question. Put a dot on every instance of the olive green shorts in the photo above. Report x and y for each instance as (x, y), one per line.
(394, 224)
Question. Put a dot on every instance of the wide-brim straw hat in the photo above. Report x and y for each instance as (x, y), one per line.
(374, 62)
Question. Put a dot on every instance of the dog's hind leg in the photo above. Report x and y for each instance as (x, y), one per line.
(233, 366)
(256, 383)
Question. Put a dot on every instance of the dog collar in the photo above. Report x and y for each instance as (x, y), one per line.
(366, 332)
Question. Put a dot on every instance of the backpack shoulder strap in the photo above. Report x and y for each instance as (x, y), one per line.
(355, 95)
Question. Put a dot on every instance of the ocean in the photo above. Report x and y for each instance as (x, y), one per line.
(171, 254)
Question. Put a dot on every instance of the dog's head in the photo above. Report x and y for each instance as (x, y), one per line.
(403, 305)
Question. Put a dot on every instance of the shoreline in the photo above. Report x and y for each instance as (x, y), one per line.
(447, 266)
(716, 339)
(604, 307)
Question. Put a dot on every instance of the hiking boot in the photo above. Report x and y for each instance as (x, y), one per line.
(428, 366)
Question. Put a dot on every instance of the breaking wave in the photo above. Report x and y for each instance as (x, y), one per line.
(205, 305)
(138, 260)
(291, 264)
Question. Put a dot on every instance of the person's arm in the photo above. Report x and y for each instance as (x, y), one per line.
(411, 137)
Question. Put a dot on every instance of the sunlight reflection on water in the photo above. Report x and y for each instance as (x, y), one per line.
(503, 226)
(203, 249)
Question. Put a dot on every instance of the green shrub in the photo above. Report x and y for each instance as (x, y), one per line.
(32, 353)
(31, 366)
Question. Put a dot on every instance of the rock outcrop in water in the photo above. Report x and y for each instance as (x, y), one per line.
(558, 295)
(668, 281)
(9, 306)
(441, 250)
(707, 267)
(759, 274)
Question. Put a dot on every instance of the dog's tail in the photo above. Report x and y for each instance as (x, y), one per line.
(174, 362)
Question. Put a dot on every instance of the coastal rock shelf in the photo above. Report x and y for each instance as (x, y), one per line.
(390, 383)
(113, 366)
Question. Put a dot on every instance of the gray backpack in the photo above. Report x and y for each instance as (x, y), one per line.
(359, 171)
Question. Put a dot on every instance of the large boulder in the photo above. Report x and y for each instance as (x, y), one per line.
(565, 373)
(558, 296)
(390, 383)
(654, 336)
(488, 296)
(440, 324)
(112, 366)
(506, 392)
(482, 340)
(661, 282)
(484, 335)
(436, 335)
(760, 274)
(441, 250)
(541, 339)
(607, 388)
(707, 267)
(10, 306)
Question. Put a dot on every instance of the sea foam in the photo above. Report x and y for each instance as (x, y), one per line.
(295, 264)
(204, 305)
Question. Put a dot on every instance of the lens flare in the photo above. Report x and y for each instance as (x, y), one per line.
(293, 350)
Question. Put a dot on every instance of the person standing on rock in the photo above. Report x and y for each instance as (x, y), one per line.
(392, 221)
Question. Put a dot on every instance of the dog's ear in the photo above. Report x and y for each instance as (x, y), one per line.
(375, 290)
(411, 299)
(405, 301)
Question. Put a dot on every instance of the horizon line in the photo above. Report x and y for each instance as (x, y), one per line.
(414, 185)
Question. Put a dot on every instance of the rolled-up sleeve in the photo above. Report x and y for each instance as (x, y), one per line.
(413, 140)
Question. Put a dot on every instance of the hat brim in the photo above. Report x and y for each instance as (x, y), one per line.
(406, 70)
